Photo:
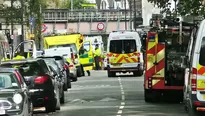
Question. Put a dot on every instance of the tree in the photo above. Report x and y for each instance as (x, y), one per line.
(76, 4)
(184, 7)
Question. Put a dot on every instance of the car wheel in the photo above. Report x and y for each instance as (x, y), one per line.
(62, 99)
(79, 72)
(65, 86)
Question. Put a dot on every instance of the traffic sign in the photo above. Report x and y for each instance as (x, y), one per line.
(100, 26)
(44, 27)
(12, 37)
(32, 21)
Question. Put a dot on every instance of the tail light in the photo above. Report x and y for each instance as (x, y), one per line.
(193, 80)
(19, 77)
(41, 79)
(65, 66)
(108, 60)
(72, 56)
(71, 65)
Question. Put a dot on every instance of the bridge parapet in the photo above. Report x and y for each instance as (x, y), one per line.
(87, 15)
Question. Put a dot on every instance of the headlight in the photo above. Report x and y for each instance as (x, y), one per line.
(17, 98)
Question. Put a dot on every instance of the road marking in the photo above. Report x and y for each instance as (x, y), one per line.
(123, 98)
(119, 112)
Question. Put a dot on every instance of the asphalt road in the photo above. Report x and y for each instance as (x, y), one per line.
(99, 95)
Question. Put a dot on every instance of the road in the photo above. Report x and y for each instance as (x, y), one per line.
(99, 95)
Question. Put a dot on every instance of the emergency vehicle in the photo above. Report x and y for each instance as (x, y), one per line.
(95, 40)
(124, 53)
(165, 52)
(75, 41)
(194, 89)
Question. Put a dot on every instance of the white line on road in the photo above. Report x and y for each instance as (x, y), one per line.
(119, 112)
(123, 98)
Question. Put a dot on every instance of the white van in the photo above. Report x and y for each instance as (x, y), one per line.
(124, 53)
(194, 91)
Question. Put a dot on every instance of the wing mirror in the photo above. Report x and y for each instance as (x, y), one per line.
(53, 72)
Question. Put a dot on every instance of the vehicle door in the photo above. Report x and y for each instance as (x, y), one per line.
(198, 73)
(123, 53)
(86, 58)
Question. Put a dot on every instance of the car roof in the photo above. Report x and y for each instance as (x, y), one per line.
(7, 70)
(19, 61)
(56, 57)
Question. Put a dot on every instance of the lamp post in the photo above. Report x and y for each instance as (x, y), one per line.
(135, 15)
(125, 3)
(22, 26)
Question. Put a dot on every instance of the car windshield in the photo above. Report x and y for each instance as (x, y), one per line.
(9, 81)
(73, 46)
(123, 46)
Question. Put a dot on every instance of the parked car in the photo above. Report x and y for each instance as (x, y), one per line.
(59, 78)
(40, 80)
(73, 70)
(64, 68)
(15, 98)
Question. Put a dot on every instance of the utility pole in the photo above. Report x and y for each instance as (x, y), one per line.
(135, 15)
(22, 26)
(125, 14)
(71, 3)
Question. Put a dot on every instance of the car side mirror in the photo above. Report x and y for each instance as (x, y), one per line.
(53, 72)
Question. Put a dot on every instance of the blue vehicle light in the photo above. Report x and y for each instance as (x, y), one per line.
(152, 37)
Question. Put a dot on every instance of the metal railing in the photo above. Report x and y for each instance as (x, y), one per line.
(86, 15)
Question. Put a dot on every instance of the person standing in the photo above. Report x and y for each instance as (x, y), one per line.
(97, 57)
(82, 52)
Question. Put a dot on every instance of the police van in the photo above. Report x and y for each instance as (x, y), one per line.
(194, 89)
(124, 53)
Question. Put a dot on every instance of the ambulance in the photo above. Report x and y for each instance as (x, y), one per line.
(194, 89)
(124, 53)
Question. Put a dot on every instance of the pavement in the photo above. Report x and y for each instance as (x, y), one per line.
(98, 95)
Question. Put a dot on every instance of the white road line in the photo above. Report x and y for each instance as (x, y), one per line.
(123, 98)
(119, 112)
(122, 103)
(121, 107)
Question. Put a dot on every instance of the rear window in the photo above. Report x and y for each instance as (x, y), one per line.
(202, 53)
(122, 46)
(51, 62)
(9, 81)
(31, 69)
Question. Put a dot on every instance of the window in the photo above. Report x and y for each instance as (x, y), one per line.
(9, 81)
(73, 46)
(30, 69)
(86, 46)
(52, 63)
(202, 52)
(123, 46)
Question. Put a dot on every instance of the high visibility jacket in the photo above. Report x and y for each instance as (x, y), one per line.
(18, 57)
(97, 52)
(5, 59)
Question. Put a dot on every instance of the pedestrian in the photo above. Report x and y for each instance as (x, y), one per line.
(82, 51)
(97, 57)
(18, 56)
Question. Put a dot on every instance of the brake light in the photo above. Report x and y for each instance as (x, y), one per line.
(71, 65)
(72, 56)
(193, 79)
(65, 66)
(41, 79)
(19, 77)
(108, 60)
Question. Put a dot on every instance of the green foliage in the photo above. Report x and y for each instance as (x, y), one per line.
(76, 4)
(184, 7)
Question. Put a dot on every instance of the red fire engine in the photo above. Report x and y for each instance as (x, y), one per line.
(165, 51)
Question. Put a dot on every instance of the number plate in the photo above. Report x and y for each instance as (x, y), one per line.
(2, 112)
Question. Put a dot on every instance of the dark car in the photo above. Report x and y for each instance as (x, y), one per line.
(14, 96)
(59, 79)
(64, 67)
(40, 81)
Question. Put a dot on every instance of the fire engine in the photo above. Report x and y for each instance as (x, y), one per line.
(165, 51)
